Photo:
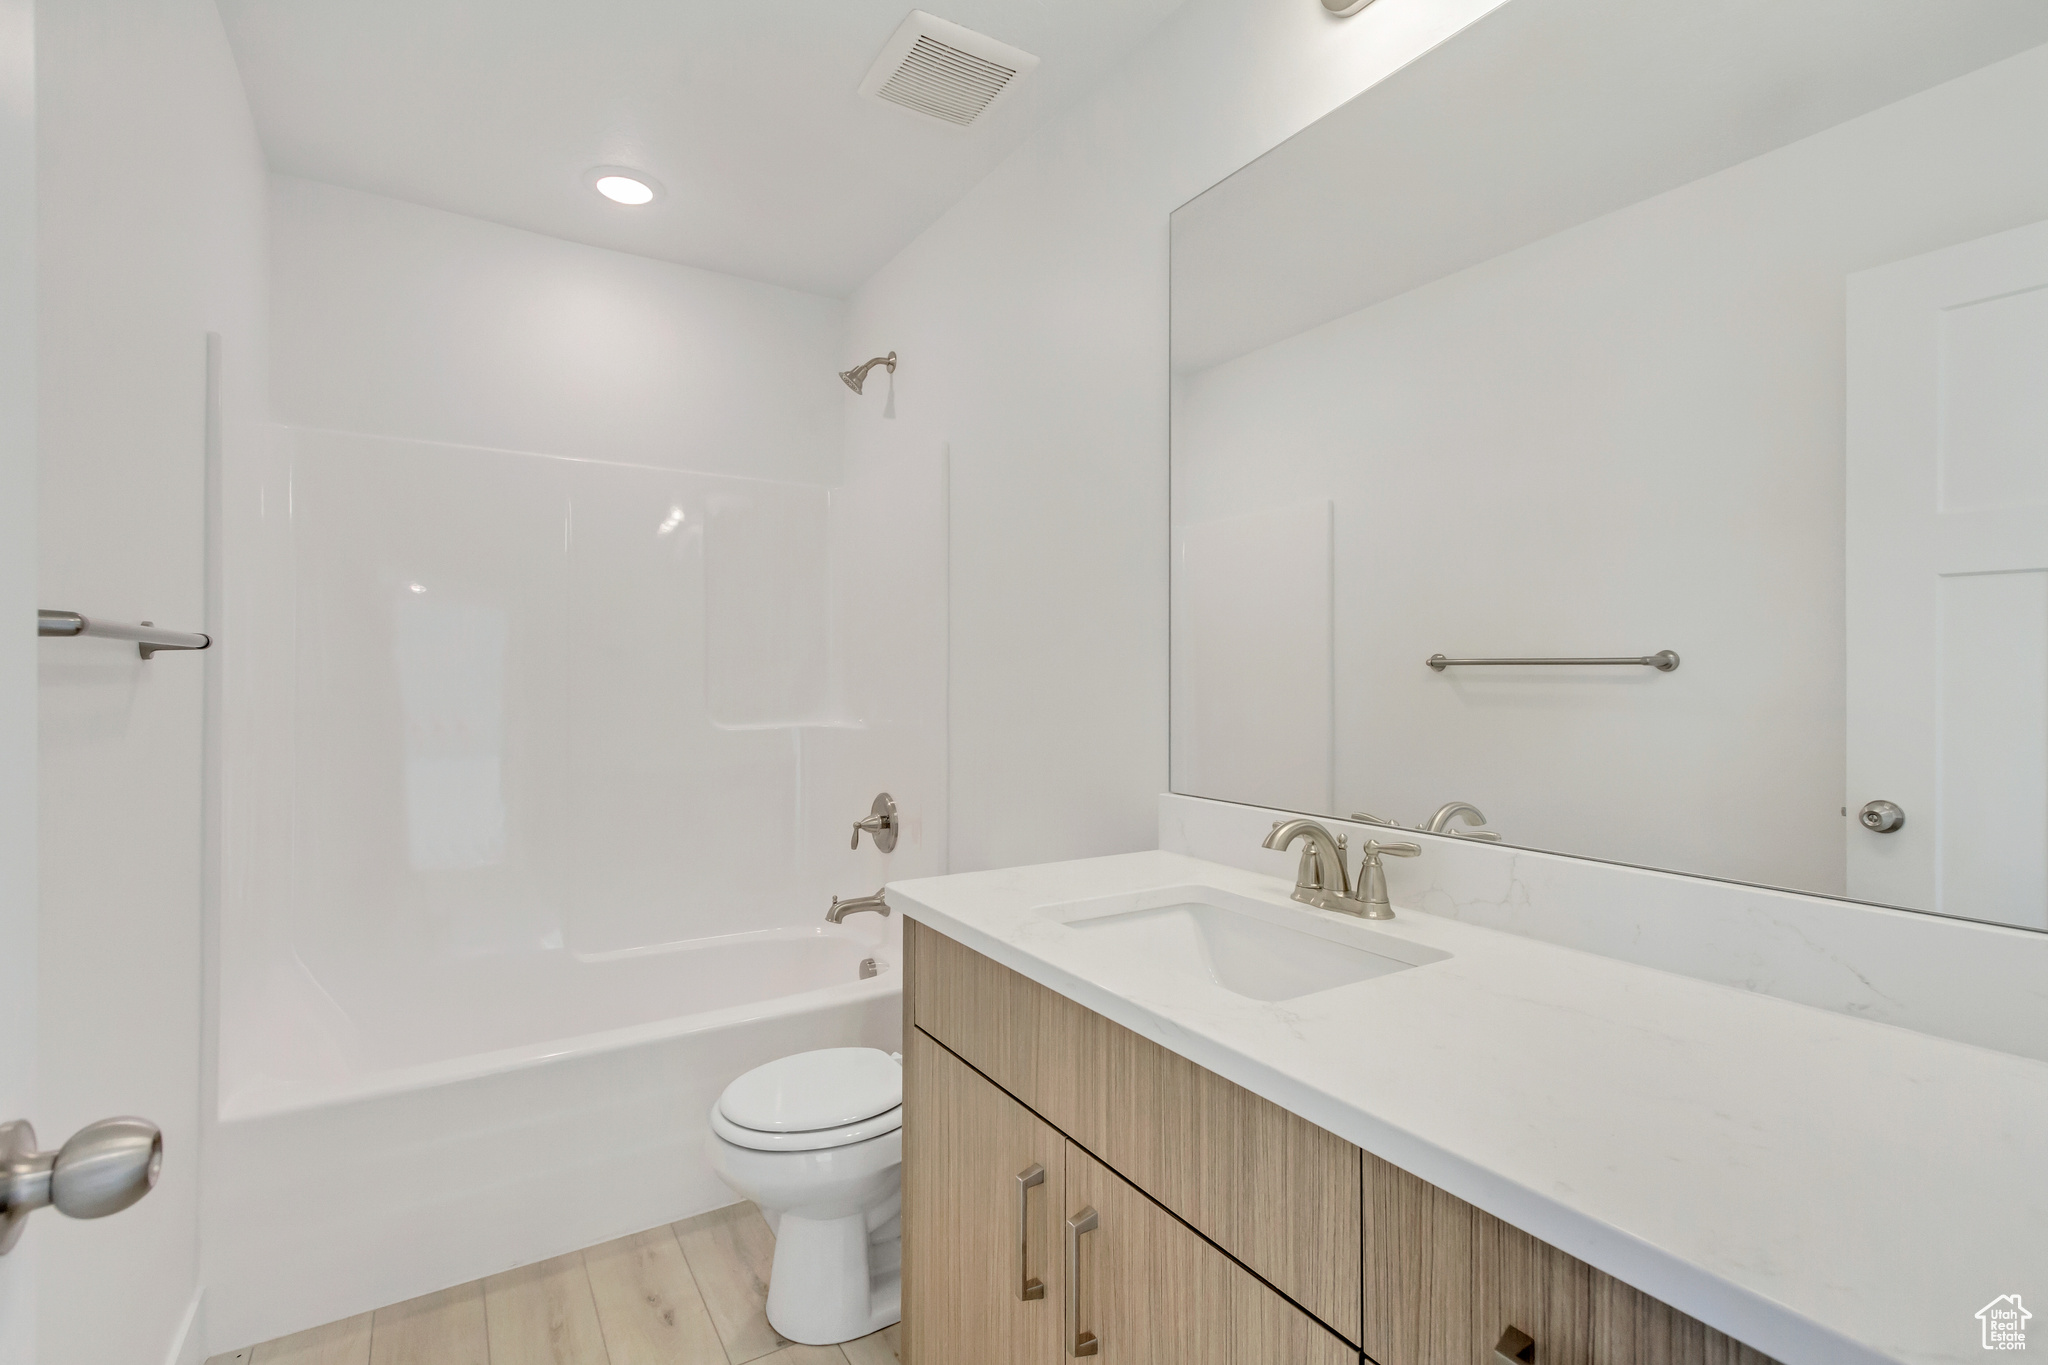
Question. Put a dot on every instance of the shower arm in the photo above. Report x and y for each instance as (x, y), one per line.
(858, 375)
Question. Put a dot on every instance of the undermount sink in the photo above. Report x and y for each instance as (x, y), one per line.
(1246, 946)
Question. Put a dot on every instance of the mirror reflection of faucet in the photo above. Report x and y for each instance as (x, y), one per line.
(1469, 813)
(1440, 823)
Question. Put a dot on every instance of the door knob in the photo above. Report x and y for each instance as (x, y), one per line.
(103, 1169)
(1881, 817)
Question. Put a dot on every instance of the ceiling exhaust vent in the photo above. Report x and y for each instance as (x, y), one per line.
(944, 71)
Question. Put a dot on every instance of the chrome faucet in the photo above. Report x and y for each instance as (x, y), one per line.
(1322, 880)
(1372, 878)
(841, 909)
(1471, 814)
(1322, 854)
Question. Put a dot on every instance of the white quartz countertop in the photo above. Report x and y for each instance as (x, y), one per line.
(1823, 1188)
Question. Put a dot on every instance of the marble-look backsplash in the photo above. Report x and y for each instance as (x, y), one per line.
(1973, 983)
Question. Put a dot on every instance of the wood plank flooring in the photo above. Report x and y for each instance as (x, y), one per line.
(692, 1293)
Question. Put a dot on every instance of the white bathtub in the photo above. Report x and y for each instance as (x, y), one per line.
(375, 1147)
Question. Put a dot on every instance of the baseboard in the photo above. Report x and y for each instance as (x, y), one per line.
(188, 1346)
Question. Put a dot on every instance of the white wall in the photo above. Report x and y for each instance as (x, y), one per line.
(151, 229)
(17, 654)
(1624, 438)
(1031, 321)
(399, 320)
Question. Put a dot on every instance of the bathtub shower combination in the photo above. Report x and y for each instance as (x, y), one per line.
(552, 764)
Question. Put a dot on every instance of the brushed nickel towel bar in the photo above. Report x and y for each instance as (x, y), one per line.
(148, 638)
(1663, 661)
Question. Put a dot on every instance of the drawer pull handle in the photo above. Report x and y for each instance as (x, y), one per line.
(1516, 1348)
(1028, 1287)
(1079, 1343)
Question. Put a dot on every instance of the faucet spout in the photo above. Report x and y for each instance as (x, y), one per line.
(1322, 880)
(841, 909)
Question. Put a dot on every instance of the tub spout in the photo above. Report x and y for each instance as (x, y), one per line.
(841, 909)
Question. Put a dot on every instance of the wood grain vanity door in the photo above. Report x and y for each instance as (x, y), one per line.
(1526, 1286)
(965, 1145)
(1152, 1292)
(1444, 1282)
(1272, 1189)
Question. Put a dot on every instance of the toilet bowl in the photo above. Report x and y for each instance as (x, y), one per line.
(816, 1140)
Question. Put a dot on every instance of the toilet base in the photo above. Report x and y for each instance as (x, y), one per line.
(835, 1279)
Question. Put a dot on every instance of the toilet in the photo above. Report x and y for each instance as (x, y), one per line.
(816, 1140)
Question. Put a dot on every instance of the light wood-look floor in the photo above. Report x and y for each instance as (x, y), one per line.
(694, 1293)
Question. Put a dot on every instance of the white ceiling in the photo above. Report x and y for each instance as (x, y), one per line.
(745, 110)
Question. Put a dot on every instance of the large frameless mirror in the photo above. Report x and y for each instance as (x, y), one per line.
(1632, 421)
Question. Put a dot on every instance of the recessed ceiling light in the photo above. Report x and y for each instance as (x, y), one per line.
(623, 186)
(624, 189)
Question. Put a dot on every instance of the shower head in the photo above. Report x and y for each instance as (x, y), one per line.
(858, 375)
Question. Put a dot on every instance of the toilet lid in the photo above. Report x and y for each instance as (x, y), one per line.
(809, 1091)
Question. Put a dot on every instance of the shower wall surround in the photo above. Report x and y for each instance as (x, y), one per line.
(570, 642)
(542, 709)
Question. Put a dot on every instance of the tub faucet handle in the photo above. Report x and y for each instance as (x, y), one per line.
(880, 824)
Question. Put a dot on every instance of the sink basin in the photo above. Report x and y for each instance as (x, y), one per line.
(1246, 946)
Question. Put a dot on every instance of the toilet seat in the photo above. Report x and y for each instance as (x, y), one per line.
(832, 1097)
(816, 1139)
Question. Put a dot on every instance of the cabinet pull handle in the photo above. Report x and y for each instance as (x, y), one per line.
(1029, 1287)
(1516, 1348)
(1079, 1343)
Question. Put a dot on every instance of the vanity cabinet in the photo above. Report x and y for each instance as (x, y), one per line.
(1274, 1191)
(1021, 1247)
(1226, 1229)
(984, 1197)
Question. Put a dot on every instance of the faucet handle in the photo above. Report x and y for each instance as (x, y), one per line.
(880, 824)
(1374, 848)
(1484, 836)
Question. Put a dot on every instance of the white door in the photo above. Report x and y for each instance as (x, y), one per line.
(1948, 578)
(17, 642)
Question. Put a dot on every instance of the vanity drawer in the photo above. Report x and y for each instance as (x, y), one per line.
(1444, 1282)
(1270, 1188)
